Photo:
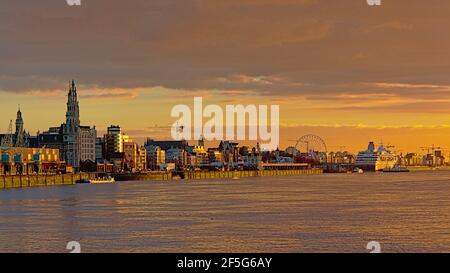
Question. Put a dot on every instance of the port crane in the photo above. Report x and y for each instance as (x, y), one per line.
(431, 148)
(341, 148)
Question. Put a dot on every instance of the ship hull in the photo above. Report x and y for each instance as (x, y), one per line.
(367, 168)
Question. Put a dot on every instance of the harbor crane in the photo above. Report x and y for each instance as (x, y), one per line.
(431, 148)
(341, 148)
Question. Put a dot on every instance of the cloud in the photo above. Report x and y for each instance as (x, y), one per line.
(109, 94)
(388, 26)
(316, 51)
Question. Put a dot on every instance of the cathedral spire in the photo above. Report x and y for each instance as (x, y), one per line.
(19, 121)
(73, 110)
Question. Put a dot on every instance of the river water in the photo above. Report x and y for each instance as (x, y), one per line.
(405, 212)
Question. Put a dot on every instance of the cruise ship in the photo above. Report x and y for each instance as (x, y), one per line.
(376, 159)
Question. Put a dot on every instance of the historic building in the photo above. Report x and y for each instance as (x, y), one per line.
(88, 139)
(76, 143)
(71, 129)
(19, 137)
(175, 150)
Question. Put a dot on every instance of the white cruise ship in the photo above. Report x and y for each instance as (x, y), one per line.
(376, 159)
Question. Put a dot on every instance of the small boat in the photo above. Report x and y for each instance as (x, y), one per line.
(358, 170)
(98, 180)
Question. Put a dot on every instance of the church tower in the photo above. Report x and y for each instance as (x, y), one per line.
(73, 110)
(19, 122)
(20, 133)
(71, 129)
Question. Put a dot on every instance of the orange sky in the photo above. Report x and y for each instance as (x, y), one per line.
(341, 69)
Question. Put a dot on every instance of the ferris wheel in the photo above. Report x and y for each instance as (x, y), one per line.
(311, 144)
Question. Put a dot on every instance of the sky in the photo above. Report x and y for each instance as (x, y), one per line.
(343, 70)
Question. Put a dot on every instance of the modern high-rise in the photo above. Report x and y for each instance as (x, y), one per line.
(99, 147)
(113, 140)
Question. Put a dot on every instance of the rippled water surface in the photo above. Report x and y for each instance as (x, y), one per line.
(407, 212)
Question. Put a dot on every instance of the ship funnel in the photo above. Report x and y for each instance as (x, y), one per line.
(371, 147)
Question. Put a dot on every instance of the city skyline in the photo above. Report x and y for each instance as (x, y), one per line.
(322, 62)
(163, 132)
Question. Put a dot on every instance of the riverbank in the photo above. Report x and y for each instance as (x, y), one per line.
(213, 175)
(421, 168)
(27, 181)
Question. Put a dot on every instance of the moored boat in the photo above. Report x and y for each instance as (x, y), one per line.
(98, 180)
(374, 160)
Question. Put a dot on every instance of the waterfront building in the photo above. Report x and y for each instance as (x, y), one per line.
(175, 150)
(22, 160)
(156, 157)
(292, 151)
(71, 129)
(192, 161)
(113, 141)
(252, 160)
(18, 138)
(341, 158)
(201, 155)
(130, 156)
(215, 157)
(230, 153)
(99, 149)
(435, 159)
(76, 143)
(88, 138)
(135, 157)
(53, 138)
(142, 159)
(122, 151)
(104, 167)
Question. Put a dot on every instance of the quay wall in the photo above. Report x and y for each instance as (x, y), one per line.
(214, 175)
(25, 181)
(242, 174)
